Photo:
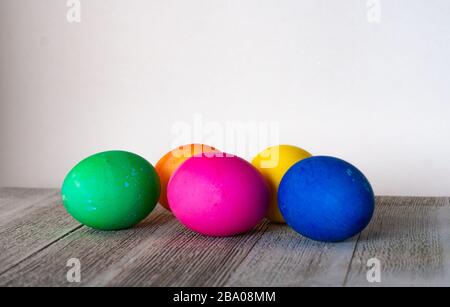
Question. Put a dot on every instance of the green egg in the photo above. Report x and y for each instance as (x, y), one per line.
(112, 190)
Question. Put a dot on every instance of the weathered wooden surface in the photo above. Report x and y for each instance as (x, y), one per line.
(30, 221)
(410, 237)
(283, 258)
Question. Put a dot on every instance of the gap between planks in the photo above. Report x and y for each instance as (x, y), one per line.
(271, 256)
(410, 238)
(129, 261)
(220, 251)
(30, 220)
(182, 258)
(250, 267)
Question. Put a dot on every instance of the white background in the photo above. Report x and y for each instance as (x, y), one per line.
(376, 95)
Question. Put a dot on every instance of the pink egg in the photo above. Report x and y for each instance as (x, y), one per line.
(218, 196)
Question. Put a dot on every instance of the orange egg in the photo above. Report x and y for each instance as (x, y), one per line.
(172, 160)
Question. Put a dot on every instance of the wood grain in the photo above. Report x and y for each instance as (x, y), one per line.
(15, 202)
(40, 221)
(182, 258)
(157, 253)
(96, 250)
(284, 258)
(411, 238)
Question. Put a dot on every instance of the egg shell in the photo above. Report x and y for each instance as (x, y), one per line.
(326, 199)
(112, 190)
(273, 163)
(218, 196)
(170, 162)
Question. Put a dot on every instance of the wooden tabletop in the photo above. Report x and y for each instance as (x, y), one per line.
(410, 237)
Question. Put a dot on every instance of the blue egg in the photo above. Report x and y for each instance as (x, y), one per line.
(326, 199)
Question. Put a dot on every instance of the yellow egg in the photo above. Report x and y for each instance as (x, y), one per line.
(273, 163)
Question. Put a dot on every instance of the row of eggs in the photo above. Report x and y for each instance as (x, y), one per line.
(217, 194)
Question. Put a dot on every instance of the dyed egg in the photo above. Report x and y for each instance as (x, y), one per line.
(170, 163)
(218, 196)
(111, 190)
(273, 163)
(326, 199)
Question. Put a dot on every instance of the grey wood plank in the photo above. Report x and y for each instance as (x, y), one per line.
(411, 238)
(37, 221)
(183, 258)
(96, 250)
(160, 252)
(283, 258)
(14, 201)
